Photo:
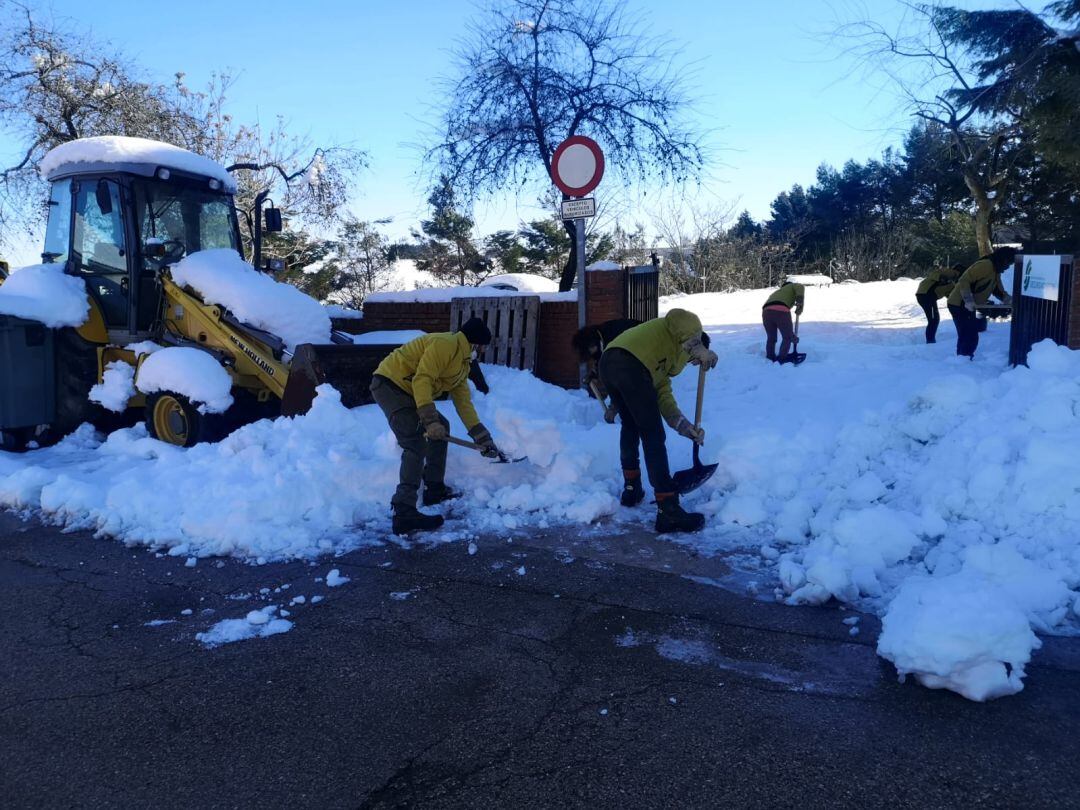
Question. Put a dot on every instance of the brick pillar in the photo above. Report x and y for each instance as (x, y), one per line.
(604, 296)
(1074, 304)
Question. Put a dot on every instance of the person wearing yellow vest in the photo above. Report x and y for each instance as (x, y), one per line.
(636, 369)
(974, 288)
(405, 386)
(937, 284)
(776, 317)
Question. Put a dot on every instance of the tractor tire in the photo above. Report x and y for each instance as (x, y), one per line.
(15, 440)
(174, 419)
(76, 374)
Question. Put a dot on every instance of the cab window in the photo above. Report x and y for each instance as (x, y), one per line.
(98, 244)
(58, 231)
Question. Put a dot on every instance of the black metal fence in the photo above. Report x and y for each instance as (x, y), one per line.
(642, 286)
(1035, 319)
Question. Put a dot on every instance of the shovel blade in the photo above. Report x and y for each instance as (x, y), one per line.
(689, 480)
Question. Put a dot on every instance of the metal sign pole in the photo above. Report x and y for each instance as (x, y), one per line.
(579, 239)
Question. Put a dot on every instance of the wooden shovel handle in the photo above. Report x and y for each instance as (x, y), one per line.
(463, 443)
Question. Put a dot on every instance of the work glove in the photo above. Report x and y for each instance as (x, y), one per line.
(969, 302)
(482, 436)
(798, 309)
(1006, 299)
(699, 355)
(434, 429)
(684, 427)
(609, 414)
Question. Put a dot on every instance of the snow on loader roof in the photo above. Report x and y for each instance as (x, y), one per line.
(137, 155)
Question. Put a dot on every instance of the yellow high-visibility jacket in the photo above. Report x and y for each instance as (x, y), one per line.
(939, 282)
(790, 295)
(981, 280)
(658, 344)
(431, 366)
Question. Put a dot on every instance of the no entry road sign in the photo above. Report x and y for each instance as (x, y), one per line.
(577, 166)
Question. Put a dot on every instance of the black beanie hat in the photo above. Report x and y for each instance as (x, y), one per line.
(476, 332)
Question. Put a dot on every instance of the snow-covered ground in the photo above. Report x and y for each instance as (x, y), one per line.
(940, 493)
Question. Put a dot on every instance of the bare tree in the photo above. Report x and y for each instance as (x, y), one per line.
(57, 86)
(535, 72)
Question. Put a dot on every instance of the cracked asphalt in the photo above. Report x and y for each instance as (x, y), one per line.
(549, 671)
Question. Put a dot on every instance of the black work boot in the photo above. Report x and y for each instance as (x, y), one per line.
(408, 520)
(438, 493)
(670, 517)
(633, 493)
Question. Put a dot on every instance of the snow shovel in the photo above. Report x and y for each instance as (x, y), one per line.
(689, 480)
(502, 459)
(796, 357)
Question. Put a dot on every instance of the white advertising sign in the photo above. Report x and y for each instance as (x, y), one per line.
(1041, 276)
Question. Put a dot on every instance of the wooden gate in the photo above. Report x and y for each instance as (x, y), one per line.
(513, 321)
(1035, 319)
(642, 287)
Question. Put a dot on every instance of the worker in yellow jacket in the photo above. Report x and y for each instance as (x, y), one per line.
(776, 317)
(636, 369)
(405, 386)
(937, 284)
(974, 288)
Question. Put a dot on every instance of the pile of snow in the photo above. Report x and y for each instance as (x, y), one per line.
(958, 632)
(810, 279)
(123, 149)
(45, 293)
(221, 277)
(521, 282)
(603, 264)
(338, 311)
(436, 295)
(387, 337)
(116, 388)
(883, 472)
(191, 372)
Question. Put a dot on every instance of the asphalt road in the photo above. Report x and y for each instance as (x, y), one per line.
(546, 672)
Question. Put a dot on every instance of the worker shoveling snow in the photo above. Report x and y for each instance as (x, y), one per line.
(884, 472)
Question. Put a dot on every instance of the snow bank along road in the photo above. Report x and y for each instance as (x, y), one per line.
(940, 493)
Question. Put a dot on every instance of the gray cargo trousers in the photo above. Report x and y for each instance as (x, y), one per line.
(421, 460)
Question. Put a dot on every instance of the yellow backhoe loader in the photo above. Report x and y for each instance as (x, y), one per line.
(119, 226)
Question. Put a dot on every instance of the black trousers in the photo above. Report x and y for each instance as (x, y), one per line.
(928, 302)
(967, 331)
(634, 398)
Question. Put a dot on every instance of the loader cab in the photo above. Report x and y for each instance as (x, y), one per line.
(117, 229)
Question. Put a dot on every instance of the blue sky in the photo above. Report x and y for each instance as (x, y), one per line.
(774, 96)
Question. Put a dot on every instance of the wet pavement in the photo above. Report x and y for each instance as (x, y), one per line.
(552, 671)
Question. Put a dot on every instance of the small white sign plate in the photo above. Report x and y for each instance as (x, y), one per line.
(1041, 277)
(579, 209)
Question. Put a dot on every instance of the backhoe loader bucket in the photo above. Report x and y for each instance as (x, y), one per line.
(348, 368)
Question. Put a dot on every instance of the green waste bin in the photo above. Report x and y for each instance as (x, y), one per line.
(27, 374)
